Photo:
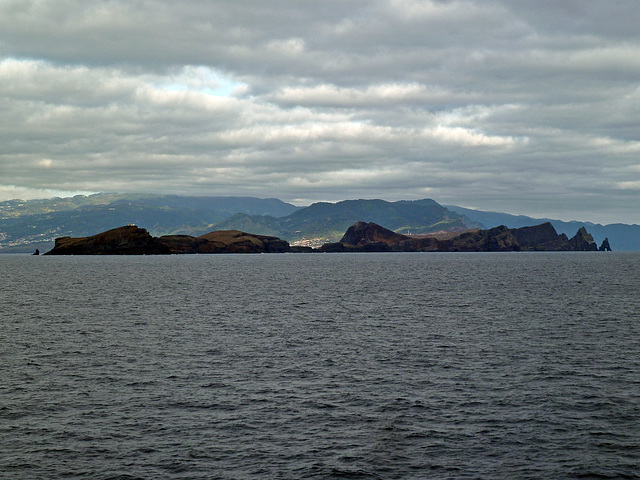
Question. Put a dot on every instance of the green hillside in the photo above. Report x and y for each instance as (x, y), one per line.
(329, 221)
(27, 225)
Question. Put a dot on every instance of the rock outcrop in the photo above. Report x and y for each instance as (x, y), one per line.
(497, 239)
(365, 237)
(132, 240)
(535, 236)
(183, 243)
(361, 233)
(605, 247)
(583, 242)
(369, 237)
(235, 241)
(129, 240)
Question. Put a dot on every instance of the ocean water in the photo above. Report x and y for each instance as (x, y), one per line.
(345, 366)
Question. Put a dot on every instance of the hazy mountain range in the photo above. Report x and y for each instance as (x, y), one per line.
(26, 225)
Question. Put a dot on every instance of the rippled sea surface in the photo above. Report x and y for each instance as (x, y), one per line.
(353, 366)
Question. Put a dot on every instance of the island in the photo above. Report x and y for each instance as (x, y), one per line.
(369, 237)
(360, 237)
(133, 240)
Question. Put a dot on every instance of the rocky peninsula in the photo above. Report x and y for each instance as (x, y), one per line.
(360, 237)
(369, 237)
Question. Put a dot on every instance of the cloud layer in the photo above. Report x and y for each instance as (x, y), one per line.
(529, 107)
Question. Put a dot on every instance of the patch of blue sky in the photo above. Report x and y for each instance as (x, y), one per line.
(201, 79)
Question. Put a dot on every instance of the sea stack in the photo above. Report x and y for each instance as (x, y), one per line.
(605, 247)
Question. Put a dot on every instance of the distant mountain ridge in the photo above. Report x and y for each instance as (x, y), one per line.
(331, 220)
(223, 206)
(27, 225)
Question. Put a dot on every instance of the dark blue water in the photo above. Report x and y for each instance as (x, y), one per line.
(352, 366)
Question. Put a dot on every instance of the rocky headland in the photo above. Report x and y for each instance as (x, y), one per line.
(360, 237)
(369, 237)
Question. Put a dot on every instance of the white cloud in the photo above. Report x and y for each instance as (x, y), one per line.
(634, 185)
(524, 104)
(10, 192)
(436, 11)
(469, 138)
(45, 163)
(289, 47)
(334, 96)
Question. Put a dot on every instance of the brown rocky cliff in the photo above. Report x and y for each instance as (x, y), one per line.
(498, 239)
(529, 237)
(360, 234)
(583, 241)
(129, 240)
(235, 241)
(372, 237)
(362, 237)
(132, 240)
(183, 243)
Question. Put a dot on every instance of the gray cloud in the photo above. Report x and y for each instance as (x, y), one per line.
(528, 107)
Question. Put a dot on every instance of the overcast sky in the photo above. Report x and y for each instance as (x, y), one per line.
(521, 106)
